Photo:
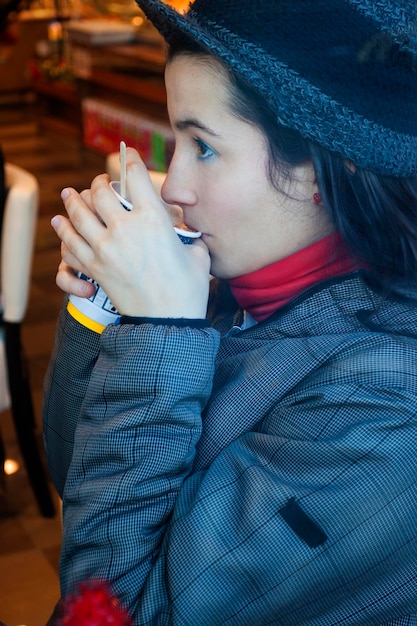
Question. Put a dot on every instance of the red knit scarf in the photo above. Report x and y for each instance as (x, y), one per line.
(263, 292)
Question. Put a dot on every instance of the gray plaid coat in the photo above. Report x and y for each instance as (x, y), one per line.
(265, 476)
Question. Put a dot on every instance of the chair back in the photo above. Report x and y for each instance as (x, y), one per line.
(17, 244)
(17, 241)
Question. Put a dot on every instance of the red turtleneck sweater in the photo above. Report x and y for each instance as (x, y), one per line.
(263, 292)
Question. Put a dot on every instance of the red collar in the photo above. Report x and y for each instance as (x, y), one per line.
(263, 292)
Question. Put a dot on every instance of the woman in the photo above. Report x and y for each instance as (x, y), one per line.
(246, 458)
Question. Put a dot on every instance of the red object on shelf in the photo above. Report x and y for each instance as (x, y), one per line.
(105, 125)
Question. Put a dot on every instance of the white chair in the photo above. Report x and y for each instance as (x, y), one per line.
(17, 243)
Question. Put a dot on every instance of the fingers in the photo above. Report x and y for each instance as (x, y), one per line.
(200, 253)
(141, 190)
(70, 260)
(74, 246)
(103, 201)
(67, 281)
(85, 224)
(86, 196)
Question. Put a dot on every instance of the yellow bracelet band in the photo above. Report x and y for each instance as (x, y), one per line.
(84, 320)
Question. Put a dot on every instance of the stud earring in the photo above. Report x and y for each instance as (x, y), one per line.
(316, 198)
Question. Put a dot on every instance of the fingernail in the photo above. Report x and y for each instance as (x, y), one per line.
(65, 193)
(55, 222)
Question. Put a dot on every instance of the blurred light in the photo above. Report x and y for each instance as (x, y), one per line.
(10, 467)
(179, 5)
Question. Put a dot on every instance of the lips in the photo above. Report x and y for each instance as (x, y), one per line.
(181, 223)
(190, 228)
(186, 227)
(176, 215)
(186, 224)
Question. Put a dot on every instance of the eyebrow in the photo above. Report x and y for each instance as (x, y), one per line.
(193, 123)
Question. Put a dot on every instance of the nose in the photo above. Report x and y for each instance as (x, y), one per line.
(177, 187)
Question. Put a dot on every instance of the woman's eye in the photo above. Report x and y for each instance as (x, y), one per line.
(204, 151)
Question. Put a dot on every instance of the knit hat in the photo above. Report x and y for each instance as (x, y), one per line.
(341, 72)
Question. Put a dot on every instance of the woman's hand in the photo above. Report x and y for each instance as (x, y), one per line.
(135, 256)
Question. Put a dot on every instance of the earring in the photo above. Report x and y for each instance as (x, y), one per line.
(316, 198)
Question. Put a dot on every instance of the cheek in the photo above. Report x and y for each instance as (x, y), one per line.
(232, 195)
(224, 213)
(224, 199)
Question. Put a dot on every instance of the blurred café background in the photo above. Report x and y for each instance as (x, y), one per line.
(76, 78)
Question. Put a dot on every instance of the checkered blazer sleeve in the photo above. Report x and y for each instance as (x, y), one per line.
(67, 377)
(134, 445)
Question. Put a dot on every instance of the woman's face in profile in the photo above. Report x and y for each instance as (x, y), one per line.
(218, 175)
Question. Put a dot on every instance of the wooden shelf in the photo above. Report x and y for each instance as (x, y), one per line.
(60, 126)
(151, 57)
(149, 89)
(58, 90)
(127, 75)
(59, 106)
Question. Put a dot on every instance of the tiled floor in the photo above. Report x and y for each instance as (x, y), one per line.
(29, 544)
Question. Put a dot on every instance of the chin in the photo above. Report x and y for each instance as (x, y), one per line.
(221, 269)
(215, 271)
(220, 273)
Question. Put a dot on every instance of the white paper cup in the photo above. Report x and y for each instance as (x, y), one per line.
(95, 312)
(186, 236)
